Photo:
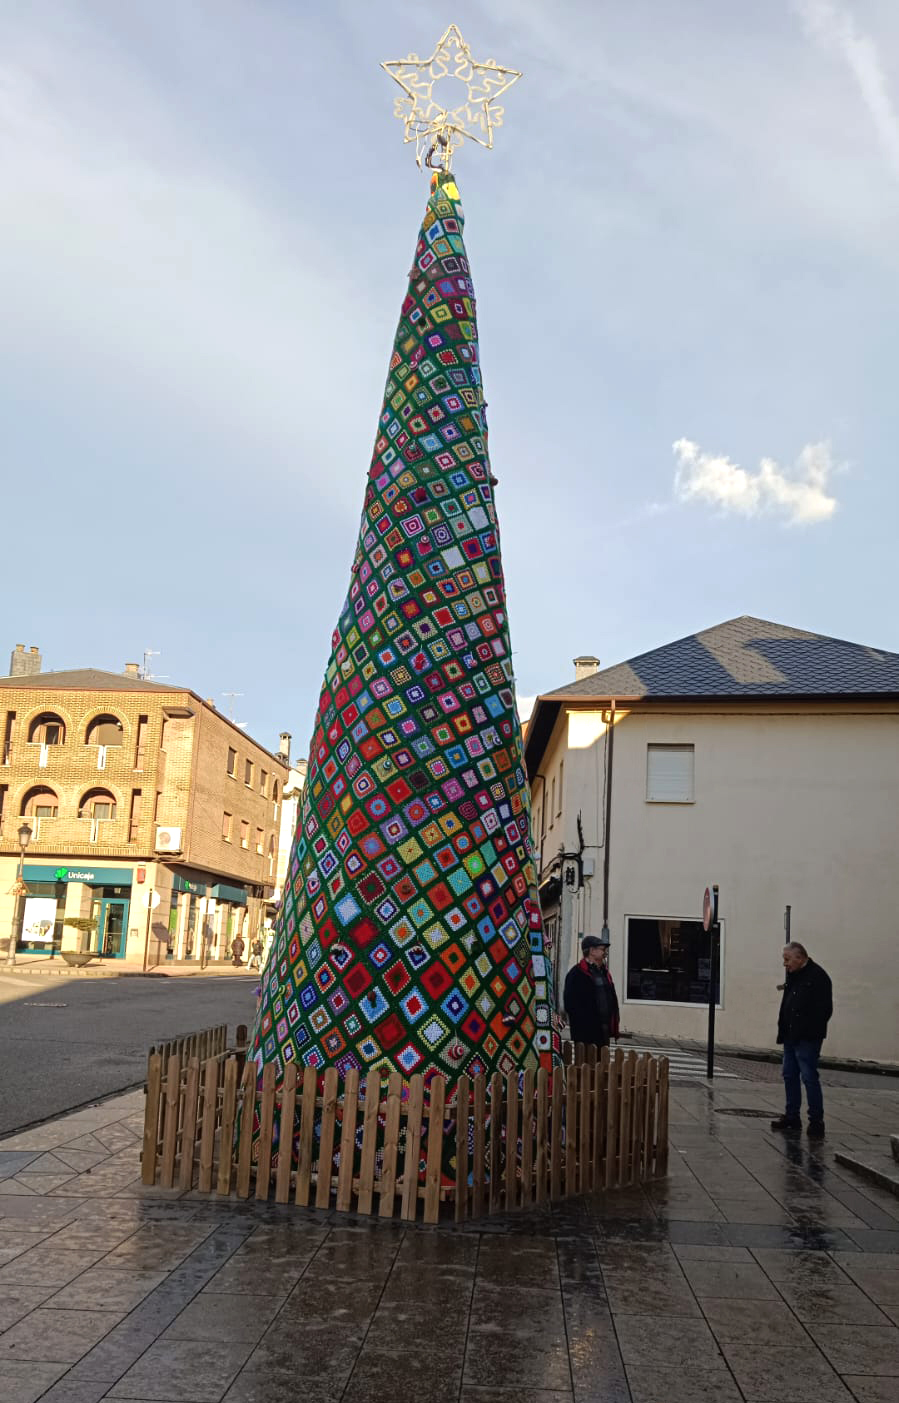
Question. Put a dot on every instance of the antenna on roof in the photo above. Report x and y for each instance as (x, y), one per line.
(241, 725)
(145, 672)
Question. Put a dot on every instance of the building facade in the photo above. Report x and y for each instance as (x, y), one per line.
(290, 808)
(151, 817)
(755, 756)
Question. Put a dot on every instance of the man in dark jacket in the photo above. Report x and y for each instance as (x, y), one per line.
(590, 999)
(805, 1011)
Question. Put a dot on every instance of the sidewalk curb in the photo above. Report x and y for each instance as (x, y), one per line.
(833, 1064)
(26, 972)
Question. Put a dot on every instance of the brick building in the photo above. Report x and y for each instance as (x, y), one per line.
(149, 812)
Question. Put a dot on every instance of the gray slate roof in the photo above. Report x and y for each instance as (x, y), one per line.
(745, 657)
(89, 679)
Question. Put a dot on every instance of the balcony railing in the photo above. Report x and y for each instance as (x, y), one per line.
(55, 834)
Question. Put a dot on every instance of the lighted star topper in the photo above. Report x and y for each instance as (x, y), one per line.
(430, 85)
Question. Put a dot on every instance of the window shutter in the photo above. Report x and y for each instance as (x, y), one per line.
(669, 774)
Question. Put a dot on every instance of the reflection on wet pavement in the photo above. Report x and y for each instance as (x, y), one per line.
(759, 1270)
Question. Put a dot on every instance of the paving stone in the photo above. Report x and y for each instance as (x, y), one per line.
(790, 1372)
(707, 1234)
(662, 1342)
(15, 1234)
(437, 1249)
(593, 1352)
(447, 1288)
(43, 1183)
(22, 1381)
(347, 1260)
(241, 1275)
(869, 1388)
(766, 1322)
(46, 1266)
(800, 1269)
(13, 1161)
(160, 1247)
(877, 1239)
(18, 1301)
(106, 1288)
(56, 1336)
(645, 1296)
(699, 1252)
(867, 1349)
(328, 1304)
(181, 1369)
(516, 1338)
(107, 1234)
(70, 1390)
(271, 1375)
(744, 1280)
(876, 1273)
(49, 1164)
(843, 1304)
(376, 1377)
(473, 1394)
(115, 1354)
(686, 1384)
(217, 1317)
(79, 1160)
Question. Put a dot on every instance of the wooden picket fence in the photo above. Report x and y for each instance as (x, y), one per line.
(600, 1123)
(208, 1042)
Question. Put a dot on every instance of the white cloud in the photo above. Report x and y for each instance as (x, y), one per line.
(799, 498)
(834, 26)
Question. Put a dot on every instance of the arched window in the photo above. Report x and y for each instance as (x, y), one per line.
(47, 729)
(104, 730)
(276, 795)
(271, 854)
(97, 803)
(40, 802)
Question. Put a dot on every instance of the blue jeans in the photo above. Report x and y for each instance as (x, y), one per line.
(801, 1061)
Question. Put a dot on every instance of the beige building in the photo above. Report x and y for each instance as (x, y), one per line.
(290, 807)
(147, 812)
(756, 756)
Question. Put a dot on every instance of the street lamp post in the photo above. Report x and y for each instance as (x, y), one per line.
(19, 910)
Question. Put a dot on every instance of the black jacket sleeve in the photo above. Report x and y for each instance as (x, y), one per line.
(823, 997)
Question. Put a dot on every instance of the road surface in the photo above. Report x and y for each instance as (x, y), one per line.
(64, 1042)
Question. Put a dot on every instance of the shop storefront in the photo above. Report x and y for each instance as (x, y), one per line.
(204, 912)
(51, 903)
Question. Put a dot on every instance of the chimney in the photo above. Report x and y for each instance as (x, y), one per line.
(585, 666)
(22, 664)
(132, 669)
(284, 746)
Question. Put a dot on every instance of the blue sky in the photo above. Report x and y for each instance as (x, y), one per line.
(685, 247)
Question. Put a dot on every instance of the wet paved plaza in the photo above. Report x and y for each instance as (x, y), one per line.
(759, 1270)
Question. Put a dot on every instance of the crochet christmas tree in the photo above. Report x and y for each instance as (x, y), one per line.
(409, 936)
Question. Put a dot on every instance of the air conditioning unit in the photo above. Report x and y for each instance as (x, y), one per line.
(168, 840)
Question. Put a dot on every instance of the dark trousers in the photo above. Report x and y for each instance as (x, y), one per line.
(800, 1068)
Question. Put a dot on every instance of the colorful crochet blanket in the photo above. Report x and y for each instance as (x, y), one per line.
(409, 935)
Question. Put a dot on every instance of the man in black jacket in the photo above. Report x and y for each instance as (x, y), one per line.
(590, 999)
(805, 1011)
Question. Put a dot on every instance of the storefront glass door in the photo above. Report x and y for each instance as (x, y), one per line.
(111, 915)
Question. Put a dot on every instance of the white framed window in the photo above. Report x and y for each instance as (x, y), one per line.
(667, 961)
(670, 774)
